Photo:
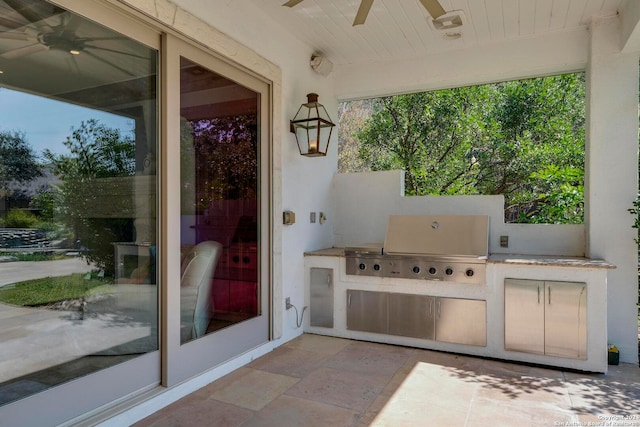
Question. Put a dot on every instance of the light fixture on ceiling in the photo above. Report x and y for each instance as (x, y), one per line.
(452, 35)
(321, 65)
(312, 127)
(449, 21)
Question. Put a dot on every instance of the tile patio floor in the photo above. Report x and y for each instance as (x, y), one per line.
(323, 381)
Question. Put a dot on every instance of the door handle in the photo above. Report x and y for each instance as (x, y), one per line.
(349, 300)
(549, 294)
(538, 294)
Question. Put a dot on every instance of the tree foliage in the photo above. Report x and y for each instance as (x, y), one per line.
(352, 116)
(523, 139)
(95, 153)
(20, 219)
(219, 160)
(18, 162)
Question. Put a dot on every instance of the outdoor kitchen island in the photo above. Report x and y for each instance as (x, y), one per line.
(545, 310)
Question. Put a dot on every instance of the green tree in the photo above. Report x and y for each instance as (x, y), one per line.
(432, 136)
(47, 202)
(18, 162)
(97, 156)
(219, 160)
(538, 162)
(523, 139)
(17, 159)
(352, 118)
(17, 218)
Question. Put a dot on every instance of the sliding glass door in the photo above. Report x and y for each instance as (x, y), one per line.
(218, 138)
(78, 212)
(134, 209)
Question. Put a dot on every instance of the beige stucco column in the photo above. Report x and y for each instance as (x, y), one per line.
(611, 176)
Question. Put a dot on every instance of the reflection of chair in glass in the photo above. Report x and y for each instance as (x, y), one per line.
(195, 287)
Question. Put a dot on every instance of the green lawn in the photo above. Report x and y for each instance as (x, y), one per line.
(50, 289)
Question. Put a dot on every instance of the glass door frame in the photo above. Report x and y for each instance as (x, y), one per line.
(181, 362)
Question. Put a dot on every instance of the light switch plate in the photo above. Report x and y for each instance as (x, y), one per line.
(288, 217)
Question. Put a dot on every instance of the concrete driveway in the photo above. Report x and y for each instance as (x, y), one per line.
(18, 271)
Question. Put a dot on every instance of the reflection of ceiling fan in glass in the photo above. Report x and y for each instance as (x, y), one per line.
(44, 27)
(434, 8)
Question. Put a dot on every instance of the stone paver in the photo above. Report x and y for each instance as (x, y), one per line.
(324, 381)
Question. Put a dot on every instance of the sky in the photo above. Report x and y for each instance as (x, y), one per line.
(46, 123)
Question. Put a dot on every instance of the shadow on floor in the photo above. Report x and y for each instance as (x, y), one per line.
(320, 381)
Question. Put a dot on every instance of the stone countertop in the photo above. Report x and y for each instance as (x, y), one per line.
(549, 260)
(517, 259)
(336, 252)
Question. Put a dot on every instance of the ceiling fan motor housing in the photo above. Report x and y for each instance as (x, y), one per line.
(60, 42)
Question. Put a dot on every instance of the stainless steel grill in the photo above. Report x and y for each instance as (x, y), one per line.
(452, 248)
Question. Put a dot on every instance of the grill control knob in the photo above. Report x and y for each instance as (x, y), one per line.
(376, 267)
(362, 266)
(448, 271)
(416, 269)
(432, 270)
(469, 272)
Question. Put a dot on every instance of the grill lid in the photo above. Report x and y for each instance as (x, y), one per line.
(448, 235)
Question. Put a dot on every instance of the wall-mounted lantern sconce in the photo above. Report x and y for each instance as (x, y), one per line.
(312, 127)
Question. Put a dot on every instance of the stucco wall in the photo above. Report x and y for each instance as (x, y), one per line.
(363, 202)
(612, 176)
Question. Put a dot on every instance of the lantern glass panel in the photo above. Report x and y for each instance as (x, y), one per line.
(312, 127)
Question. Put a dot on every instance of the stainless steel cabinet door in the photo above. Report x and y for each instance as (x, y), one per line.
(367, 311)
(412, 315)
(566, 319)
(524, 315)
(321, 297)
(461, 321)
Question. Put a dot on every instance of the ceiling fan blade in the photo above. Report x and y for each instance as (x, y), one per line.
(363, 11)
(24, 51)
(116, 51)
(27, 34)
(9, 23)
(71, 25)
(95, 39)
(34, 12)
(111, 64)
(17, 36)
(434, 8)
(292, 3)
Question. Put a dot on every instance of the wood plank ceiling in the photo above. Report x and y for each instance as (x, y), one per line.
(401, 29)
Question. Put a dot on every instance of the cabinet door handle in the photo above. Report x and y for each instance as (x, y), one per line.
(328, 281)
(349, 300)
(538, 294)
(549, 294)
